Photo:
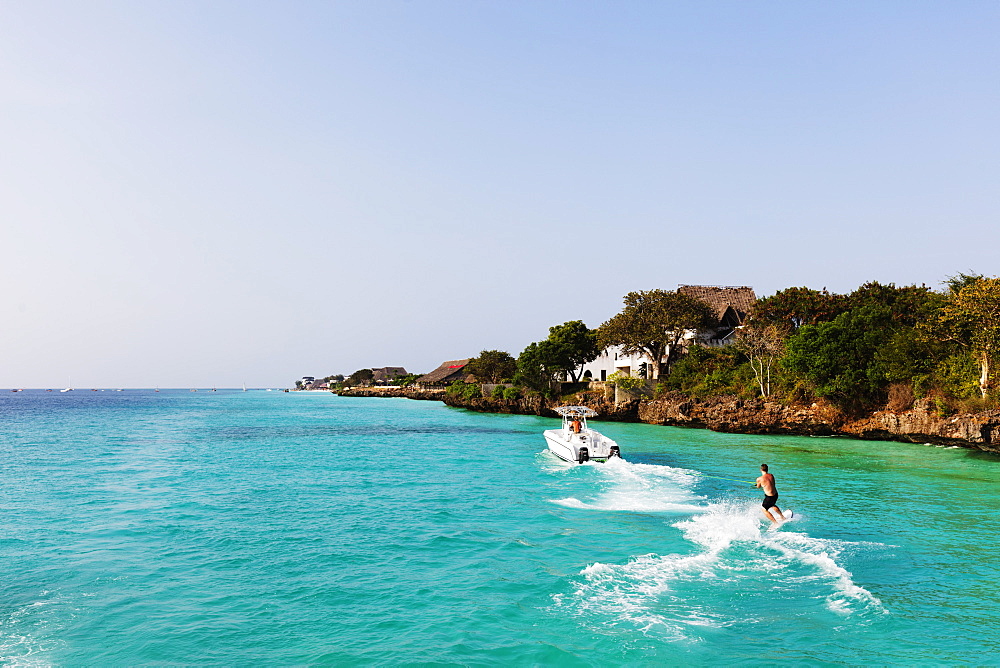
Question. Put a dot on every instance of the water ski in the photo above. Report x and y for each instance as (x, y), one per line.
(785, 516)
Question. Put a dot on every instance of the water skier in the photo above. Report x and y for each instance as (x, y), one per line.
(766, 483)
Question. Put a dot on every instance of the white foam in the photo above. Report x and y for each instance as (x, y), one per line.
(731, 547)
(622, 594)
(629, 504)
(624, 486)
(821, 553)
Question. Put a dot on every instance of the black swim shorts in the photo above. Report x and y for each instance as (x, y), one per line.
(769, 501)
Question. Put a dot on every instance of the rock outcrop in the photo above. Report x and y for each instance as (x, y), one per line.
(428, 394)
(737, 415)
(920, 424)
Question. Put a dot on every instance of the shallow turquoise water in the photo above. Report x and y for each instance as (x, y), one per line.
(269, 528)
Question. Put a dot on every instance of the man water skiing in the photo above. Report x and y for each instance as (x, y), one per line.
(766, 483)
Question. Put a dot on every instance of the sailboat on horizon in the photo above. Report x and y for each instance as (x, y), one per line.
(69, 388)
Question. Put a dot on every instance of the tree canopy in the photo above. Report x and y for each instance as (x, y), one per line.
(570, 346)
(492, 366)
(360, 377)
(792, 308)
(653, 323)
(971, 318)
(534, 368)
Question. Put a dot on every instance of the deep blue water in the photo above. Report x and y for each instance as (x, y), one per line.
(270, 528)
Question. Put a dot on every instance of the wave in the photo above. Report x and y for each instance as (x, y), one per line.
(624, 486)
(731, 555)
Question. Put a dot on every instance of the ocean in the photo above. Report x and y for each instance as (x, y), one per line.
(265, 528)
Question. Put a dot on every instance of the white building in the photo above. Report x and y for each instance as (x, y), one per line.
(730, 306)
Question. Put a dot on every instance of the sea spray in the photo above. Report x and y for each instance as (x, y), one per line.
(731, 553)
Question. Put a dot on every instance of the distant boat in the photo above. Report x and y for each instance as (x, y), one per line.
(244, 387)
(69, 388)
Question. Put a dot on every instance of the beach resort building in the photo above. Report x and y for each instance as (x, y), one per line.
(387, 374)
(446, 374)
(730, 306)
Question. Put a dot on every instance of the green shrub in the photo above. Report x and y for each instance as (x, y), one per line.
(706, 372)
(465, 391)
(511, 393)
(958, 376)
(627, 383)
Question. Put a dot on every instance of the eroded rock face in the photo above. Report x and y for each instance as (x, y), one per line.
(920, 424)
(736, 415)
(431, 394)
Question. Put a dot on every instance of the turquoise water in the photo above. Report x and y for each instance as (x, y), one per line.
(270, 528)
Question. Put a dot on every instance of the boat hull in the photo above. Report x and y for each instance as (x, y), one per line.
(569, 447)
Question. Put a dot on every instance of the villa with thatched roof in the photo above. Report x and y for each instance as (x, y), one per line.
(387, 374)
(446, 374)
(729, 304)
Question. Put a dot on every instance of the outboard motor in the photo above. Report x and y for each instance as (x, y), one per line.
(615, 452)
(584, 455)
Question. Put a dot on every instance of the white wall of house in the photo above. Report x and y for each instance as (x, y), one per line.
(612, 360)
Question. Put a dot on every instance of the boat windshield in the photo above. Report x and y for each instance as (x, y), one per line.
(575, 417)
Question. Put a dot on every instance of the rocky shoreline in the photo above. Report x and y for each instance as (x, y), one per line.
(426, 394)
(920, 424)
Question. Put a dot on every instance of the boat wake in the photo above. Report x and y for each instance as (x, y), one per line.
(730, 574)
(639, 488)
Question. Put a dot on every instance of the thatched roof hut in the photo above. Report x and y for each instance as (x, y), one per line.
(730, 304)
(445, 374)
(387, 374)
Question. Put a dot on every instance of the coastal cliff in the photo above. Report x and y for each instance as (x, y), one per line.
(920, 424)
(428, 394)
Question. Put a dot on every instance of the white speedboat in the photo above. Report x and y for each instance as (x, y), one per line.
(575, 441)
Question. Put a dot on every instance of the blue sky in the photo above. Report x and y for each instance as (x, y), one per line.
(198, 193)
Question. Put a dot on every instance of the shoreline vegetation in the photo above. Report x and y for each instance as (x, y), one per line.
(730, 414)
(882, 362)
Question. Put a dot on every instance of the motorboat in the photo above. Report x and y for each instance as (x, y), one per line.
(575, 441)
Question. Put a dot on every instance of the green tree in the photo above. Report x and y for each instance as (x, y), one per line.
(407, 380)
(653, 323)
(971, 318)
(360, 377)
(905, 306)
(792, 308)
(960, 280)
(537, 367)
(570, 346)
(493, 366)
(839, 357)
